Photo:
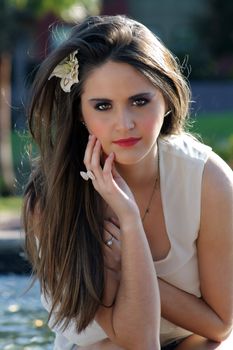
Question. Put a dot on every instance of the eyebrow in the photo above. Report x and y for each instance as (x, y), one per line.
(142, 94)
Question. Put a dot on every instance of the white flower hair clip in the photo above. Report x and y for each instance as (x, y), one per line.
(67, 70)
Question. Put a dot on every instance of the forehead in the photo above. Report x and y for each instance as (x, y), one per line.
(112, 77)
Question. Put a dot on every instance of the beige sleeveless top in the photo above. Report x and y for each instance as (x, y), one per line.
(182, 160)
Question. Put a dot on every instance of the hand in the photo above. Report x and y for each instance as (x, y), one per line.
(108, 182)
(112, 261)
(112, 246)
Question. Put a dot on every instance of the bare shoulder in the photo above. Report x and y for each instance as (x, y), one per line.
(217, 179)
(215, 240)
(217, 200)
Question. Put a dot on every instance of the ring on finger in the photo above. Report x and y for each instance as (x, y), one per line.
(109, 241)
(87, 175)
(90, 175)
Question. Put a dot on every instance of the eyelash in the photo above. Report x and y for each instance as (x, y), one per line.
(99, 106)
(142, 102)
(138, 102)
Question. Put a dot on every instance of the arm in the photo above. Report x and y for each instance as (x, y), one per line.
(136, 310)
(211, 316)
(133, 321)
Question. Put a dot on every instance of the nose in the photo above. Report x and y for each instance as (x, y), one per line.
(124, 120)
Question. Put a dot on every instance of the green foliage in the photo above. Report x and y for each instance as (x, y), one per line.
(23, 152)
(216, 130)
(214, 126)
(18, 17)
(8, 20)
(225, 150)
(11, 204)
(39, 7)
(2, 186)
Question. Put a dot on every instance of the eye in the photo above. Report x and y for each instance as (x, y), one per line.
(142, 101)
(103, 106)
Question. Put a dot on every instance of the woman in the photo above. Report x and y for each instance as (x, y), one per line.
(128, 219)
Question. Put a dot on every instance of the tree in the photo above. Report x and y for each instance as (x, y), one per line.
(6, 39)
(19, 17)
(216, 33)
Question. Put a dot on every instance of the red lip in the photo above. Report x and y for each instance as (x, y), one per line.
(131, 141)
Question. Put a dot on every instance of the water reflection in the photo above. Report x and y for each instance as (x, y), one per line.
(22, 318)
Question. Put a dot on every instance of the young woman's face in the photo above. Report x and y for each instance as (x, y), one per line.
(123, 110)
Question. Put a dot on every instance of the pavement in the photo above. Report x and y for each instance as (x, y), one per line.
(12, 254)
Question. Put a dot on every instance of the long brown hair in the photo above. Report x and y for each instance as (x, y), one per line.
(63, 214)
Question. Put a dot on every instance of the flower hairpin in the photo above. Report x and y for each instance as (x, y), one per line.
(67, 70)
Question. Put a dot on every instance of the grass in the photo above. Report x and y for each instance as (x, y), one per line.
(21, 150)
(214, 126)
(216, 130)
(11, 204)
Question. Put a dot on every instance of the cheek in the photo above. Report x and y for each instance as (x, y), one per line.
(153, 118)
(151, 125)
(97, 129)
(102, 134)
(93, 124)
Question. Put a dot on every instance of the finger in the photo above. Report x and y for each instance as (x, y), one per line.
(114, 171)
(111, 241)
(112, 229)
(95, 160)
(107, 169)
(112, 253)
(89, 151)
(115, 221)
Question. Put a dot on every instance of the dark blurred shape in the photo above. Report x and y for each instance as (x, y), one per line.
(113, 7)
(200, 30)
(212, 96)
(215, 30)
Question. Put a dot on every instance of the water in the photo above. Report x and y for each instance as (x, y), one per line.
(22, 318)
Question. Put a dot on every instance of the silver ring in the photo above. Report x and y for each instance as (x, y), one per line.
(90, 175)
(87, 175)
(109, 241)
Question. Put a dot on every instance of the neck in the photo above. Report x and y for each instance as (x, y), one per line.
(142, 173)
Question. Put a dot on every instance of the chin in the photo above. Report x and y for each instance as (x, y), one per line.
(128, 160)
